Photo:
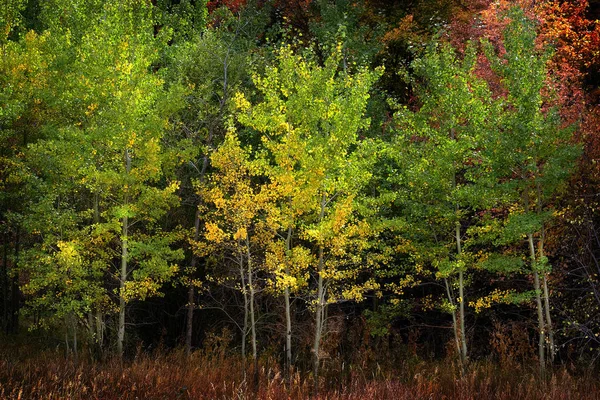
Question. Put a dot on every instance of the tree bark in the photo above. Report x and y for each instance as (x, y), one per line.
(96, 321)
(549, 328)
(541, 254)
(99, 319)
(288, 316)
(252, 316)
(191, 291)
(454, 320)
(461, 302)
(122, 280)
(245, 326)
(320, 305)
(123, 276)
(540, 308)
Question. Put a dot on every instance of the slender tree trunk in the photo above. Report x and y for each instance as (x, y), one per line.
(461, 293)
(122, 280)
(191, 291)
(95, 321)
(246, 306)
(99, 319)
(541, 254)
(320, 306)
(461, 302)
(288, 316)
(318, 322)
(546, 295)
(463, 339)
(454, 320)
(123, 277)
(549, 328)
(540, 308)
(538, 295)
(252, 315)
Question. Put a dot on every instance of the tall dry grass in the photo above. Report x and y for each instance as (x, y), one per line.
(173, 376)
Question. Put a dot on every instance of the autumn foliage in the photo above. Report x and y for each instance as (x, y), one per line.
(378, 199)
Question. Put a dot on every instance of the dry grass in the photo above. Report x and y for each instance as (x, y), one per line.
(172, 376)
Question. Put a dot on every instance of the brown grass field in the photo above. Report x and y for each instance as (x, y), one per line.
(170, 375)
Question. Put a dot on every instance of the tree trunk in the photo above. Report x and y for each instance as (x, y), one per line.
(100, 333)
(318, 323)
(320, 305)
(541, 254)
(549, 328)
(454, 320)
(245, 327)
(123, 276)
(288, 316)
(252, 316)
(95, 321)
(122, 280)
(540, 309)
(191, 291)
(461, 302)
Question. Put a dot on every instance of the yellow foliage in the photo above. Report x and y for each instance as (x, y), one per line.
(240, 234)
(496, 297)
(214, 233)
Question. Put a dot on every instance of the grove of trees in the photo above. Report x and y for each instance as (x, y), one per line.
(285, 173)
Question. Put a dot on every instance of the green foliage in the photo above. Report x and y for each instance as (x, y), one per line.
(441, 175)
(101, 161)
(10, 18)
(186, 18)
(120, 119)
(379, 321)
(343, 21)
(310, 118)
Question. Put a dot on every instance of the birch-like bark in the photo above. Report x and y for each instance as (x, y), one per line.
(123, 275)
(461, 293)
(245, 295)
(454, 320)
(549, 328)
(320, 306)
(252, 314)
(540, 308)
(191, 305)
(288, 316)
